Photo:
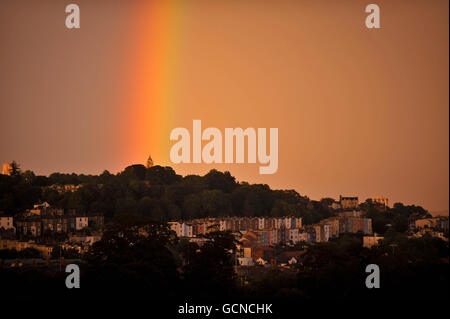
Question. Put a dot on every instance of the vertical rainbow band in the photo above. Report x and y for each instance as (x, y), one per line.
(150, 105)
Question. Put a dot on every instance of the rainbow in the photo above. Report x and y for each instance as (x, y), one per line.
(149, 101)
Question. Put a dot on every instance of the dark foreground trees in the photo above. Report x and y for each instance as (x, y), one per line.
(208, 271)
(409, 268)
(146, 260)
(136, 258)
(132, 260)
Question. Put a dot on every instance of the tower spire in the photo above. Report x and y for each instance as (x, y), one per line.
(149, 161)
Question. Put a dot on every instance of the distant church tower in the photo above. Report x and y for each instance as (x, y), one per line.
(149, 162)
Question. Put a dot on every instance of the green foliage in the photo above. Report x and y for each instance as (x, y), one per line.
(133, 258)
(157, 193)
(8, 254)
(17, 193)
(70, 253)
(160, 194)
(29, 253)
(396, 217)
(209, 267)
(410, 268)
(15, 169)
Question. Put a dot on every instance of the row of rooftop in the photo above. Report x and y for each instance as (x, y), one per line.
(43, 219)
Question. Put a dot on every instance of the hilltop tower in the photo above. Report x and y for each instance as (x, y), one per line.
(149, 162)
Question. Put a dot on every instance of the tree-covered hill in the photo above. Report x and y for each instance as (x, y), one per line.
(162, 195)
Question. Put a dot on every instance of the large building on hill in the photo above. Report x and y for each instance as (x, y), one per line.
(348, 203)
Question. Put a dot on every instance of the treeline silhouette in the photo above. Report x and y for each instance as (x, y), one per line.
(162, 195)
(159, 193)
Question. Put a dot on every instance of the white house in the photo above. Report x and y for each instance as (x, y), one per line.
(189, 230)
(369, 241)
(327, 231)
(293, 235)
(245, 261)
(261, 261)
(222, 225)
(81, 222)
(288, 222)
(180, 229)
(335, 206)
(6, 222)
(173, 226)
(87, 240)
(260, 223)
(41, 205)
